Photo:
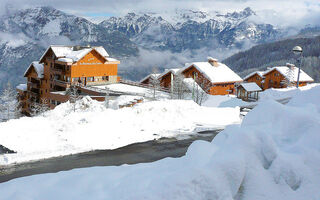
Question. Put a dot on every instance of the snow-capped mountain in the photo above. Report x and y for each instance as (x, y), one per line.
(192, 29)
(25, 34)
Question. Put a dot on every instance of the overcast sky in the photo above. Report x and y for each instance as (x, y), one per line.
(286, 11)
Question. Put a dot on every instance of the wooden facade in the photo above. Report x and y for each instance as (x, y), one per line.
(256, 78)
(221, 88)
(274, 79)
(59, 74)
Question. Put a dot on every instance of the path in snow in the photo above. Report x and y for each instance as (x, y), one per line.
(132, 154)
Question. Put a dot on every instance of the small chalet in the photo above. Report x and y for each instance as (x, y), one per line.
(167, 77)
(256, 77)
(248, 91)
(214, 77)
(276, 77)
(149, 79)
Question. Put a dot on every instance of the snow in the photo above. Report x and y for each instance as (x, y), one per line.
(251, 87)
(284, 70)
(112, 60)
(260, 73)
(282, 93)
(52, 28)
(22, 87)
(173, 71)
(263, 158)
(38, 67)
(65, 60)
(69, 53)
(62, 131)
(219, 74)
(223, 101)
(153, 76)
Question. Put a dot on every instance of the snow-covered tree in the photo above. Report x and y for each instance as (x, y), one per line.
(155, 82)
(289, 76)
(200, 89)
(38, 108)
(107, 98)
(179, 89)
(8, 103)
(74, 95)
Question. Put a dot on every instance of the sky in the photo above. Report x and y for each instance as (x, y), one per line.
(283, 12)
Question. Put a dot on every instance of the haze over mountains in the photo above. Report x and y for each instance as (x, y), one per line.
(140, 41)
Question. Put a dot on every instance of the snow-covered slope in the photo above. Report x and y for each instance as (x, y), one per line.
(62, 131)
(273, 154)
(187, 29)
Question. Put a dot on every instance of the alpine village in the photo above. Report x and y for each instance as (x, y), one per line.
(65, 71)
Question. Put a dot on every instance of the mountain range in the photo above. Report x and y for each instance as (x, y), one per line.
(26, 33)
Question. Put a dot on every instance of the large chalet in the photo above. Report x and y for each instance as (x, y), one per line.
(214, 77)
(61, 67)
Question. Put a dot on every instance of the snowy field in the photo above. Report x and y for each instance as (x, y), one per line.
(63, 131)
(274, 154)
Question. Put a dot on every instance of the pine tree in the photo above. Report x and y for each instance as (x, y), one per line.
(8, 103)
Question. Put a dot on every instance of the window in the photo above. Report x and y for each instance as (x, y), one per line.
(68, 79)
(75, 79)
(90, 79)
(68, 68)
(105, 78)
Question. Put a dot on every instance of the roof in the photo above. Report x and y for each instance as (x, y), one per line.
(153, 76)
(215, 74)
(251, 87)
(71, 53)
(173, 71)
(259, 73)
(38, 68)
(284, 71)
(22, 87)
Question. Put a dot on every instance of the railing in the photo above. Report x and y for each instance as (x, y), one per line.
(56, 70)
(61, 83)
(34, 85)
(149, 86)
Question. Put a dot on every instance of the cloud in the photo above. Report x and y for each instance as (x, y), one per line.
(273, 11)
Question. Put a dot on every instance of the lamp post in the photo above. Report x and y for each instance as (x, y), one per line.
(298, 51)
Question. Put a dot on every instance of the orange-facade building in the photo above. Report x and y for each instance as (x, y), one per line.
(63, 66)
(276, 77)
(215, 78)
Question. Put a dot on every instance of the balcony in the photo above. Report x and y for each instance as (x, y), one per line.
(57, 71)
(34, 84)
(61, 83)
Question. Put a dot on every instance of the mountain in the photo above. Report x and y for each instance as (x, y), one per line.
(187, 29)
(278, 53)
(25, 34)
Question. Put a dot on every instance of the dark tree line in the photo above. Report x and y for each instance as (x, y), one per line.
(278, 53)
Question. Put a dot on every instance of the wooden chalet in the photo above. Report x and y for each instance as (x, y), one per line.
(215, 78)
(63, 66)
(166, 78)
(275, 77)
(248, 91)
(256, 77)
(149, 79)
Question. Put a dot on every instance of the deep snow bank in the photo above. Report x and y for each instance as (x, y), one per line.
(273, 154)
(63, 131)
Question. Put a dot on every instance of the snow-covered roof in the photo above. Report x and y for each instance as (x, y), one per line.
(74, 54)
(215, 74)
(112, 60)
(38, 68)
(173, 71)
(22, 87)
(259, 73)
(251, 87)
(153, 76)
(284, 71)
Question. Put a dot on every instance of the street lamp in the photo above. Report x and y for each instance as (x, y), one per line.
(297, 50)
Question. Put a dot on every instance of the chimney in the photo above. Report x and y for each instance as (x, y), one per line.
(290, 66)
(213, 61)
